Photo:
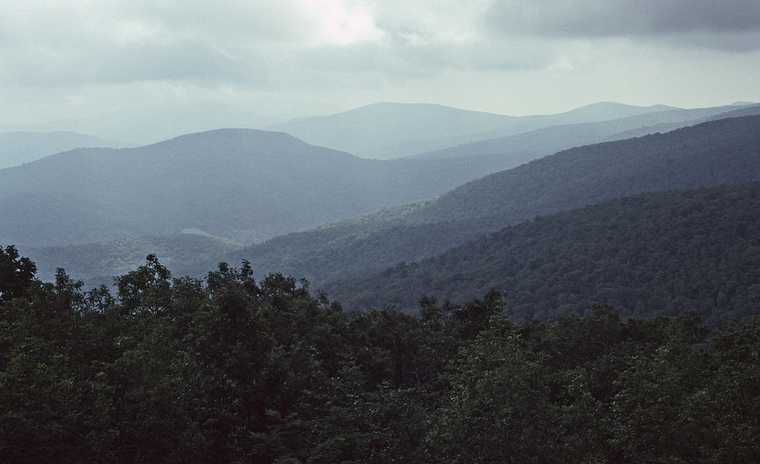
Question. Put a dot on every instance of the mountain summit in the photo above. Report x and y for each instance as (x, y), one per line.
(394, 130)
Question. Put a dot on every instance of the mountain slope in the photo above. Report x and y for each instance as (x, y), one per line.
(733, 111)
(646, 255)
(222, 180)
(723, 151)
(239, 184)
(23, 147)
(527, 146)
(393, 130)
(710, 154)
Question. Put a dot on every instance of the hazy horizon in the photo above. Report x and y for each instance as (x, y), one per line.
(142, 71)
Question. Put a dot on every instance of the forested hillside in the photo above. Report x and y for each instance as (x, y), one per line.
(171, 371)
(645, 255)
(247, 186)
(714, 153)
(243, 185)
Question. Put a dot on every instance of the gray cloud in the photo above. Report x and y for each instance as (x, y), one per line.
(259, 43)
(103, 65)
(426, 60)
(689, 20)
(132, 41)
(185, 60)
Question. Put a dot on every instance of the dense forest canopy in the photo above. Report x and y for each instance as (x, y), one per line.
(174, 371)
(646, 255)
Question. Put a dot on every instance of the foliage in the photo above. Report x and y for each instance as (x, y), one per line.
(645, 255)
(16, 274)
(238, 370)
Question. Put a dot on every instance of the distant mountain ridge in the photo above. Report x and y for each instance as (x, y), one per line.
(246, 185)
(720, 152)
(218, 180)
(241, 184)
(19, 147)
(394, 130)
(531, 145)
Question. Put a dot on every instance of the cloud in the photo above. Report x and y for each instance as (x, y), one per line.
(108, 41)
(722, 24)
(187, 59)
(262, 43)
(103, 65)
(258, 43)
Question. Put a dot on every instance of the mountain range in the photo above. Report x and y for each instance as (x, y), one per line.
(240, 184)
(247, 185)
(720, 152)
(395, 130)
(237, 186)
(20, 147)
(530, 145)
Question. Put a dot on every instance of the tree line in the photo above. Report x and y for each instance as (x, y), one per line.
(231, 369)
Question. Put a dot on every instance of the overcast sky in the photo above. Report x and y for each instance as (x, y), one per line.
(139, 70)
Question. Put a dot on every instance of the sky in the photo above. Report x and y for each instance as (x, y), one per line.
(141, 70)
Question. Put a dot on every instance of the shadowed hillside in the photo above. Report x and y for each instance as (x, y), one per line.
(646, 255)
(710, 154)
(239, 184)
